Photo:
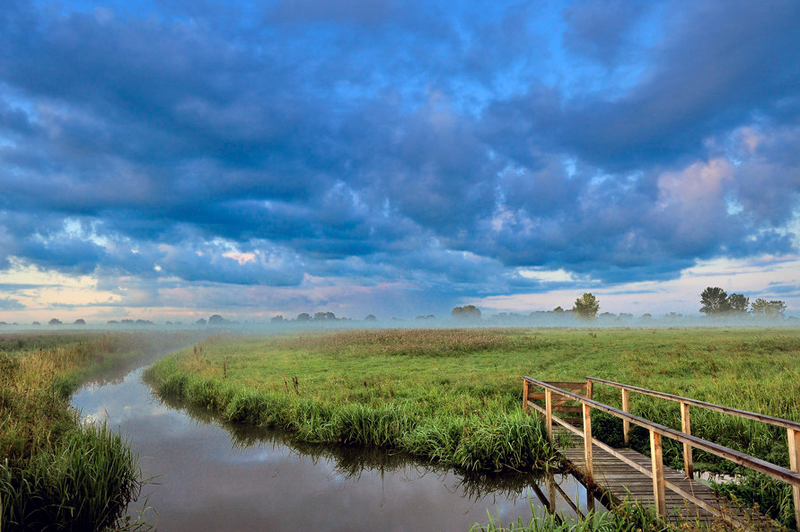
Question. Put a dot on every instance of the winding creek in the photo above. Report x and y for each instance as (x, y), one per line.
(211, 477)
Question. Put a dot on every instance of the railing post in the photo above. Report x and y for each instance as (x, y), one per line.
(626, 407)
(524, 395)
(587, 442)
(589, 389)
(659, 491)
(794, 463)
(686, 428)
(548, 413)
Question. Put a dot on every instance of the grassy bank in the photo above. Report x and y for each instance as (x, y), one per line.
(453, 396)
(54, 473)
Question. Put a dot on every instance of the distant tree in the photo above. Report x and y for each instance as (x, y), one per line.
(54, 321)
(304, 316)
(216, 319)
(647, 316)
(714, 301)
(201, 321)
(420, 318)
(277, 319)
(738, 304)
(586, 306)
(430, 317)
(80, 321)
(36, 323)
(147, 322)
(112, 322)
(324, 316)
(370, 318)
(623, 316)
(558, 309)
(466, 313)
(768, 309)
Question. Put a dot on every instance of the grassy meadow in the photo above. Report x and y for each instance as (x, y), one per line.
(56, 474)
(454, 396)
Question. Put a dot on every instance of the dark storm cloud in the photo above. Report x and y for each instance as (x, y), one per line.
(601, 29)
(378, 141)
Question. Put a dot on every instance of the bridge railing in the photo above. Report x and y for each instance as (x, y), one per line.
(657, 431)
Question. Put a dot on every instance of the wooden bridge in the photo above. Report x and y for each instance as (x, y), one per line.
(617, 474)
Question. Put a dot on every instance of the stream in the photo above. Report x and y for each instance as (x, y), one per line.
(211, 476)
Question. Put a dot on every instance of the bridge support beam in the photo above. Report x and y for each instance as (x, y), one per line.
(686, 428)
(794, 463)
(587, 442)
(659, 488)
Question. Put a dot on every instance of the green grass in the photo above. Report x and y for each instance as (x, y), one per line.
(56, 474)
(454, 396)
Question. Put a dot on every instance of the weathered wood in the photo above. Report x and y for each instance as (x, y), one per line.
(524, 395)
(587, 443)
(794, 463)
(686, 428)
(549, 413)
(626, 425)
(659, 490)
(785, 423)
(762, 466)
(618, 472)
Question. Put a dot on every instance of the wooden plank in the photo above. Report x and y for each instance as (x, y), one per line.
(794, 463)
(525, 396)
(548, 412)
(686, 428)
(626, 425)
(587, 443)
(658, 473)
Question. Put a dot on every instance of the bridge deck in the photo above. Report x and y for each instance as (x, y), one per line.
(618, 481)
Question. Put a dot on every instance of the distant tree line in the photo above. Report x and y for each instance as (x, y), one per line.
(715, 301)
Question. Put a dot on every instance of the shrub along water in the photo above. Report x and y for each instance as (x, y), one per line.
(56, 474)
(453, 396)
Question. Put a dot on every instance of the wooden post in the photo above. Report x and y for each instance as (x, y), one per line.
(552, 492)
(548, 413)
(524, 395)
(626, 407)
(587, 443)
(794, 463)
(589, 389)
(686, 428)
(659, 491)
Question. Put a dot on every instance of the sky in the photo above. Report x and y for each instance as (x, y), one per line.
(171, 159)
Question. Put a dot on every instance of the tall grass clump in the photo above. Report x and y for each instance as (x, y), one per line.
(84, 482)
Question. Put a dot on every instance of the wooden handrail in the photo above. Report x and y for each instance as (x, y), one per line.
(740, 458)
(785, 423)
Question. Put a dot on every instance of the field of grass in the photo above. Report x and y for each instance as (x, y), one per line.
(454, 396)
(54, 473)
